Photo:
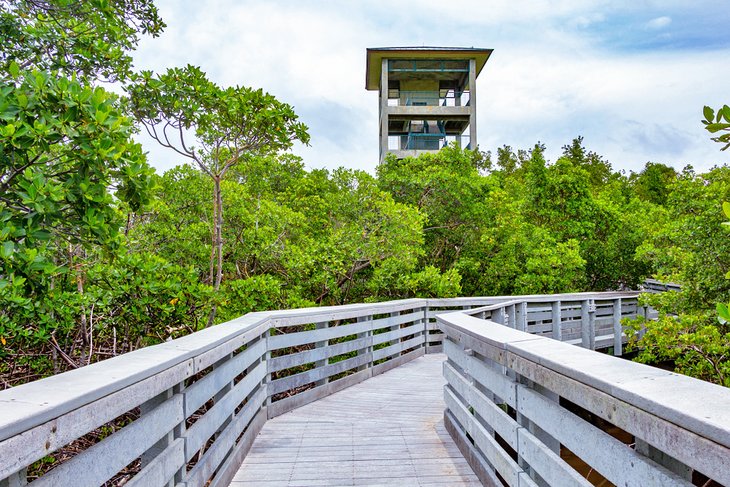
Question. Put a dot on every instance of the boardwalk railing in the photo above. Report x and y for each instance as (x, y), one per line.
(185, 412)
(527, 410)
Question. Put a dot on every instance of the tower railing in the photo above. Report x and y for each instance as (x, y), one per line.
(426, 141)
(428, 98)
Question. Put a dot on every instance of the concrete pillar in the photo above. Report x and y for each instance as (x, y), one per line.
(473, 104)
(383, 110)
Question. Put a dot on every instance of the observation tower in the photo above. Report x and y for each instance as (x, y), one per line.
(427, 96)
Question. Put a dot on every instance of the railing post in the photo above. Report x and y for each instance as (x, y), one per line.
(585, 329)
(426, 331)
(663, 459)
(267, 359)
(617, 330)
(557, 318)
(522, 317)
(18, 479)
(498, 316)
(511, 318)
(224, 390)
(170, 437)
(369, 347)
(323, 344)
(592, 324)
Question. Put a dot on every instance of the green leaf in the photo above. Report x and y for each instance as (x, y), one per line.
(726, 208)
(709, 113)
(716, 127)
(13, 69)
(7, 249)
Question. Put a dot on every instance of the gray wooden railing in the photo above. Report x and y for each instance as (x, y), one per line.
(185, 412)
(527, 409)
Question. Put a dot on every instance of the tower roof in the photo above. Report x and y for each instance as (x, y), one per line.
(376, 54)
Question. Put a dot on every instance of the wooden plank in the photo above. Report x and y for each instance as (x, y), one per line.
(397, 348)
(495, 417)
(548, 464)
(27, 447)
(202, 390)
(228, 470)
(487, 445)
(333, 313)
(312, 356)
(396, 334)
(499, 384)
(397, 361)
(474, 458)
(556, 318)
(206, 359)
(607, 455)
(285, 405)
(617, 330)
(207, 425)
(310, 336)
(162, 469)
(309, 376)
(217, 453)
(98, 463)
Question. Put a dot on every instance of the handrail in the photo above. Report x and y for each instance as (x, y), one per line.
(192, 407)
(519, 404)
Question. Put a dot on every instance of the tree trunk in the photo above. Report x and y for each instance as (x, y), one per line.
(218, 233)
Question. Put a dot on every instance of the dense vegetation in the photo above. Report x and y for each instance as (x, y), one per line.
(99, 255)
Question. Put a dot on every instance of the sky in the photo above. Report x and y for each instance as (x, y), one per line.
(631, 77)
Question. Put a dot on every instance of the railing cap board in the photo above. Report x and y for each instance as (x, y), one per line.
(499, 336)
(489, 300)
(29, 405)
(694, 404)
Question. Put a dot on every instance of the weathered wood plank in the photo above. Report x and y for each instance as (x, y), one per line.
(488, 446)
(311, 356)
(614, 460)
(309, 376)
(162, 469)
(98, 463)
(29, 446)
(208, 424)
(217, 453)
(201, 391)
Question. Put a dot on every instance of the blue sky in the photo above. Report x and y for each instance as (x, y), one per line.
(630, 77)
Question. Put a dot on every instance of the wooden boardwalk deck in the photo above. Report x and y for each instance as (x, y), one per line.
(387, 430)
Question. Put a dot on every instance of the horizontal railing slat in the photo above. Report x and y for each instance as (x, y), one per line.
(162, 468)
(201, 391)
(208, 424)
(309, 376)
(97, 464)
(216, 454)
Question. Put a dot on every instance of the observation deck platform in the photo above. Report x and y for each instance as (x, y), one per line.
(388, 430)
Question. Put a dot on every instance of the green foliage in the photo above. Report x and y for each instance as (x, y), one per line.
(89, 39)
(718, 123)
(692, 343)
(64, 147)
(229, 125)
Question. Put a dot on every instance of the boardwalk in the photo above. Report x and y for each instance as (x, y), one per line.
(387, 430)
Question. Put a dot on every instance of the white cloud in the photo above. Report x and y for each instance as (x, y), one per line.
(658, 23)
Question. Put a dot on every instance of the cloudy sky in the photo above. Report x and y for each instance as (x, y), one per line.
(631, 77)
